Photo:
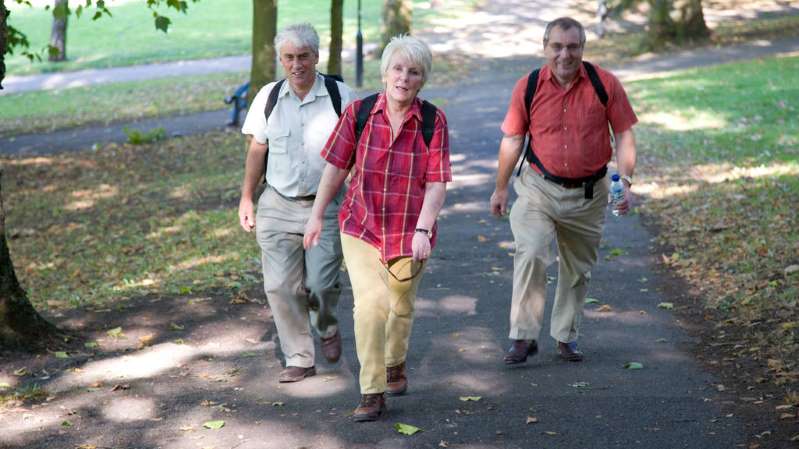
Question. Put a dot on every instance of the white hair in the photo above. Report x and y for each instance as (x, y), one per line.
(302, 35)
(413, 49)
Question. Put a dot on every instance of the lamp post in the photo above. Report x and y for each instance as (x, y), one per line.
(359, 52)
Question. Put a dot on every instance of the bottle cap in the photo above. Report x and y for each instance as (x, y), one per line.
(614, 177)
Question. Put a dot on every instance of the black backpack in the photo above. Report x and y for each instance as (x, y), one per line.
(365, 108)
(332, 90)
(529, 154)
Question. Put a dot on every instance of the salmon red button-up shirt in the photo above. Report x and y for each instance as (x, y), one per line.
(569, 127)
(388, 182)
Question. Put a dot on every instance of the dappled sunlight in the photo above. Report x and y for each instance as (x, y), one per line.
(198, 261)
(469, 180)
(676, 121)
(129, 284)
(466, 207)
(27, 162)
(164, 230)
(87, 198)
(16, 426)
(128, 409)
(222, 232)
(150, 362)
(658, 191)
(628, 317)
(718, 173)
(321, 385)
(449, 305)
(180, 192)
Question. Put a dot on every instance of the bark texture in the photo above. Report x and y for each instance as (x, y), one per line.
(58, 33)
(264, 29)
(336, 31)
(396, 19)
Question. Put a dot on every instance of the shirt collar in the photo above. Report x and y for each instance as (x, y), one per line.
(317, 90)
(415, 110)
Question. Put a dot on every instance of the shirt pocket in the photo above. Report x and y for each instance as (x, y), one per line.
(594, 118)
(278, 140)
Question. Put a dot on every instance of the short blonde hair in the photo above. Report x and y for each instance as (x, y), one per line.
(416, 51)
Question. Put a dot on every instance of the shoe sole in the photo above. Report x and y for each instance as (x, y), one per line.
(397, 392)
(571, 358)
(368, 417)
(517, 362)
(297, 379)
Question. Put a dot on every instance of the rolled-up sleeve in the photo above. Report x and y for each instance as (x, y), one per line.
(340, 147)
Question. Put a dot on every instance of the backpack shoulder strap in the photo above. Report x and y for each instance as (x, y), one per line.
(362, 115)
(529, 92)
(335, 95)
(272, 100)
(596, 82)
(428, 121)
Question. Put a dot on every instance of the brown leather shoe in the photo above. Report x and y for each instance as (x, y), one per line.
(396, 382)
(519, 350)
(295, 374)
(569, 352)
(331, 347)
(370, 408)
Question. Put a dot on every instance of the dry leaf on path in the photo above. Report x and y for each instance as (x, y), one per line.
(532, 420)
(605, 308)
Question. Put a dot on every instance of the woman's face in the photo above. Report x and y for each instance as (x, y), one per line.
(403, 80)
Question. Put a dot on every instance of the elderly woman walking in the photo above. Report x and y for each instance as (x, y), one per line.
(397, 147)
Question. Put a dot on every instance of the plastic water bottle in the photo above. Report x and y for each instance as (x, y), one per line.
(616, 193)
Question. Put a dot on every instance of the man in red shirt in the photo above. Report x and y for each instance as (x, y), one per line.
(563, 195)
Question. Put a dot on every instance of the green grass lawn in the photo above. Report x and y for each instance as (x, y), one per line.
(719, 161)
(210, 28)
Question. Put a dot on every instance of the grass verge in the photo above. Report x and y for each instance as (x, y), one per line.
(720, 165)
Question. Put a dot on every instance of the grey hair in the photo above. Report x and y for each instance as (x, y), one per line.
(564, 23)
(416, 51)
(300, 34)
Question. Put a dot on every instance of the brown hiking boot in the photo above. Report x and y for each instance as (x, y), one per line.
(396, 382)
(370, 408)
(295, 374)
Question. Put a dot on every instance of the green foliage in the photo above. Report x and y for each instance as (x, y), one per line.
(27, 393)
(138, 137)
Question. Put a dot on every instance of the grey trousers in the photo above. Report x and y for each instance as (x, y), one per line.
(545, 212)
(302, 287)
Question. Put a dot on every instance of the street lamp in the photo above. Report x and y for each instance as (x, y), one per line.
(359, 51)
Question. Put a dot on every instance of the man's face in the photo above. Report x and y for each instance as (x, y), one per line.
(564, 53)
(299, 65)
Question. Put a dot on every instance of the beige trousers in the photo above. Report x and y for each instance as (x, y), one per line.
(545, 213)
(300, 286)
(383, 311)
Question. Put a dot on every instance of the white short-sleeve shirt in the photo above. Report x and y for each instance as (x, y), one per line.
(296, 132)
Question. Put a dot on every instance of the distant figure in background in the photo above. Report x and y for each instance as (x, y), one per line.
(601, 15)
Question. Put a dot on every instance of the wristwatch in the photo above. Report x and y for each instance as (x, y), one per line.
(627, 178)
(427, 232)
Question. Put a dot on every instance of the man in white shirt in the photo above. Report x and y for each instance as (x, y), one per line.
(300, 286)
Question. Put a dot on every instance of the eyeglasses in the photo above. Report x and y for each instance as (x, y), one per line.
(400, 266)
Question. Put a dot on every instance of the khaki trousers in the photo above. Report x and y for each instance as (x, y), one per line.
(300, 285)
(383, 311)
(545, 212)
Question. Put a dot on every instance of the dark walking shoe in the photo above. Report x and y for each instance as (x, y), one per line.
(569, 352)
(396, 381)
(331, 347)
(519, 350)
(370, 408)
(295, 374)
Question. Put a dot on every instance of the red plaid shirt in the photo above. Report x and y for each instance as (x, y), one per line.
(387, 187)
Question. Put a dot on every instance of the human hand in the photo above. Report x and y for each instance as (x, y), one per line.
(499, 202)
(246, 214)
(420, 246)
(624, 206)
(313, 229)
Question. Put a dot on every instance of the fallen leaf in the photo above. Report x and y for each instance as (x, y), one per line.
(176, 327)
(532, 420)
(406, 429)
(721, 387)
(90, 344)
(791, 269)
(482, 238)
(661, 340)
(4, 385)
(215, 425)
(591, 301)
(470, 398)
(21, 372)
(443, 443)
(787, 416)
(782, 408)
(277, 404)
(186, 428)
(61, 355)
(66, 423)
(115, 333)
(119, 387)
(580, 385)
(633, 365)
(666, 306)
(550, 433)
(605, 308)
(86, 446)
(146, 340)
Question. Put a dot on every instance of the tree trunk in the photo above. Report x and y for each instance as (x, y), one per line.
(336, 31)
(691, 25)
(661, 27)
(58, 33)
(396, 19)
(264, 29)
(20, 325)
(3, 40)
